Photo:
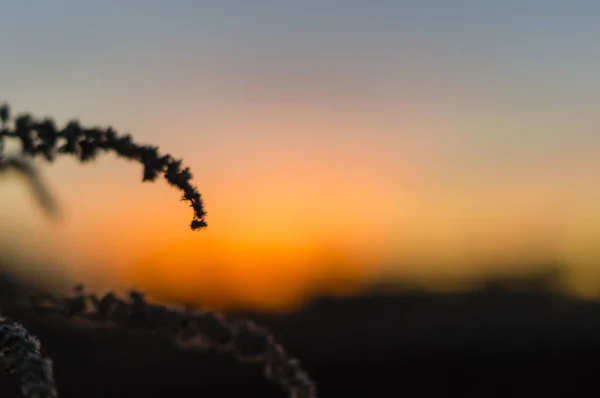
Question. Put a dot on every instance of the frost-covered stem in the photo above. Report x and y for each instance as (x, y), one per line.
(245, 340)
(20, 354)
(43, 138)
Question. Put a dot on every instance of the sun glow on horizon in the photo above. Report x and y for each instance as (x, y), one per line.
(226, 275)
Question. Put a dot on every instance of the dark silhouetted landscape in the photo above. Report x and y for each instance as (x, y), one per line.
(515, 337)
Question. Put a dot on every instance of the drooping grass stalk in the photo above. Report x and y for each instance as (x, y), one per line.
(20, 353)
(43, 138)
(245, 340)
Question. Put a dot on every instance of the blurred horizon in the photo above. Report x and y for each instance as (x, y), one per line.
(335, 145)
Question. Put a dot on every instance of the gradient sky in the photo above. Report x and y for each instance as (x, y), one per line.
(335, 142)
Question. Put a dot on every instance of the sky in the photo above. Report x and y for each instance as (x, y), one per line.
(336, 143)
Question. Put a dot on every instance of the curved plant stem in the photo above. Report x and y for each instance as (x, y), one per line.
(43, 138)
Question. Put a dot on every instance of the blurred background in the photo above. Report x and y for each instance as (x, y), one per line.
(345, 151)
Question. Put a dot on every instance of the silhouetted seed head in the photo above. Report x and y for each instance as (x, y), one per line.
(43, 138)
(197, 224)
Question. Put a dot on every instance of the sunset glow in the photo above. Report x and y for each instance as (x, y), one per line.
(416, 148)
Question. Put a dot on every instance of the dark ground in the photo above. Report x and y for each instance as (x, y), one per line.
(500, 341)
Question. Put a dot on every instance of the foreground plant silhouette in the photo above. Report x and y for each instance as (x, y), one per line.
(42, 138)
(20, 352)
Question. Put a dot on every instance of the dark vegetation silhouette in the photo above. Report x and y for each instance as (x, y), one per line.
(516, 337)
(43, 138)
(21, 353)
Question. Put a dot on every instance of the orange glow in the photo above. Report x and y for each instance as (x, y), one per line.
(277, 237)
(300, 205)
(328, 158)
(224, 275)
